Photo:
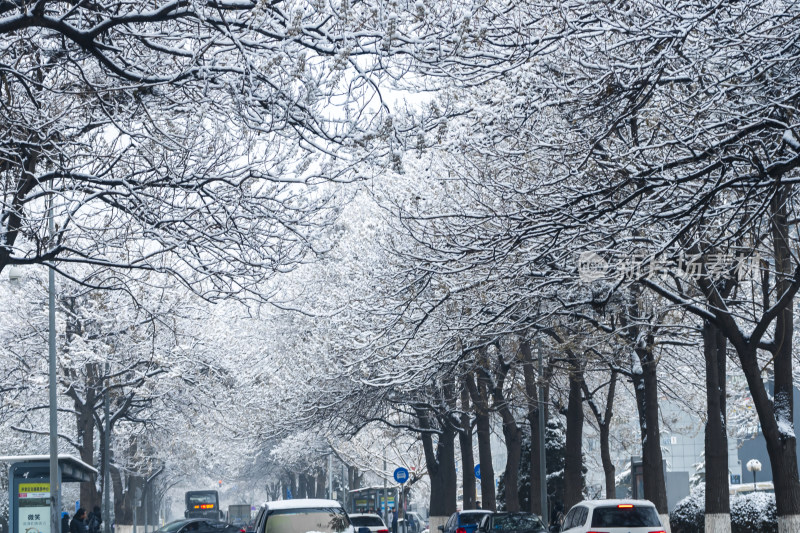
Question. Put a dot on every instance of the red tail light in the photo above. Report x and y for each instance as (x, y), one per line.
(461, 530)
(242, 530)
(659, 531)
(625, 506)
(383, 531)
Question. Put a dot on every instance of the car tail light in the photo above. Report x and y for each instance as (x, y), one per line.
(461, 530)
(659, 531)
(243, 530)
(383, 531)
(595, 532)
(625, 506)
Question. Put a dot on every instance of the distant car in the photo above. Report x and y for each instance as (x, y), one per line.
(504, 522)
(612, 516)
(374, 522)
(464, 521)
(198, 525)
(302, 516)
(417, 523)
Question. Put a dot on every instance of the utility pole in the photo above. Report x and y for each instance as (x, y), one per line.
(542, 431)
(330, 476)
(385, 499)
(106, 459)
(55, 500)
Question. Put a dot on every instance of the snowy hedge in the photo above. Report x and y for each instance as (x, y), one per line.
(750, 513)
(754, 512)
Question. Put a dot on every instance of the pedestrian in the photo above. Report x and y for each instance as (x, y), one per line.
(64, 522)
(78, 524)
(95, 520)
(394, 520)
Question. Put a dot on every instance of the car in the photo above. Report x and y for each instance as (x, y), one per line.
(611, 516)
(197, 525)
(303, 516)
(464, 521)
(507, 522)
(416, 521)
(374, 522)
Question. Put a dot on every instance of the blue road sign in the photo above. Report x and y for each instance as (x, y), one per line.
(478, 471)
(401, 475)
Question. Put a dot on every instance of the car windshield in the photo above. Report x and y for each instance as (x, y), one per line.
(468, 519)
(514, 522)
(307, 521)
(625, 517)
(172, 526)
(366, 521)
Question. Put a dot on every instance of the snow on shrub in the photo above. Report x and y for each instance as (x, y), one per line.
(750, 513)
(689, 516)
(754, 513)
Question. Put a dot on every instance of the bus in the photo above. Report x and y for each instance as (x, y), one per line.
(202, 504)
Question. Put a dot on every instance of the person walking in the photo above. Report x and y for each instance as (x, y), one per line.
(78, 524)
(95, 520)
(64, 522)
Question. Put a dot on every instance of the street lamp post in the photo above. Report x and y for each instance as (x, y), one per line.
(754, 465)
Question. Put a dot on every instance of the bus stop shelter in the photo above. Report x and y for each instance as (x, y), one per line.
(29, 489)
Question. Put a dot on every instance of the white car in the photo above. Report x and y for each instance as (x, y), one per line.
(374, 522)
(303, 516)
(613, 516)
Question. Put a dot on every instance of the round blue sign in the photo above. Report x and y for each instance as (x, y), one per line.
(401, 475)
(478, 471)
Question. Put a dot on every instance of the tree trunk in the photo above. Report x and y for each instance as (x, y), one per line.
(717, 505)
(646, 388)
(573, 453)
(511, 432)
(322, 487)
(532, 397)
(478, 393)
(441, 464)
(609, 471)
(467, 458)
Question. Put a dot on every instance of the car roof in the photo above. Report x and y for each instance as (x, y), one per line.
(592, 504)
(363, 514)
(302, 503)
(476, 511)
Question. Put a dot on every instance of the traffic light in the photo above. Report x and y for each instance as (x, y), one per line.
(219, 482)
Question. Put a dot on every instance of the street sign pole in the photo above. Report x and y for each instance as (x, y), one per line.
(401, 476)
(55, 521)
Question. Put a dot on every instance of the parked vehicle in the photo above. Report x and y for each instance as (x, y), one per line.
(197, 525)
(304, 515)
(417, 523)
(464, 521)
(611, 516)
(504, 522)
(374, 522)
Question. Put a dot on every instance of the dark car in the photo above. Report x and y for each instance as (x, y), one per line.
(464, 521)
(512, 523)
(198, 525)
